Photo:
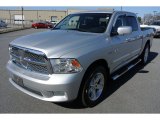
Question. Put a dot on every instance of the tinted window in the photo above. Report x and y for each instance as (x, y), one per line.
(119, 22)
(131, 21)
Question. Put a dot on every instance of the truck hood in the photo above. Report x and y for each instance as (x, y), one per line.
(55, 43)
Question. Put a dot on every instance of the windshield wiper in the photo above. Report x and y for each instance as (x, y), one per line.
(81, 30)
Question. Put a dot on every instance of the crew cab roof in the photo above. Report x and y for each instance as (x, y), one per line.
(103, 11)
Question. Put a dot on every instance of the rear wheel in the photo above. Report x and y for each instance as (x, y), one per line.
(145, 54)
(94, 86)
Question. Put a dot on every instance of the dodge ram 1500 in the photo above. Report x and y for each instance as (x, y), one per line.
(79, 56)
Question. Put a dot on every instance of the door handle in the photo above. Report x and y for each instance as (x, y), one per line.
(131, 39)
(140, 36)
(125, 41)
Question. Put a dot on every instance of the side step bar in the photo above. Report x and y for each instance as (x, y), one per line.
(126, 70)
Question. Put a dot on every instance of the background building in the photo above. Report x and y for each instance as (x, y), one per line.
(30, 16)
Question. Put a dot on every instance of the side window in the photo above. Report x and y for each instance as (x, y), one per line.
(119, 22)
(131, 21)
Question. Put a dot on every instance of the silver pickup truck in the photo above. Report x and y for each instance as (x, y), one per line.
(78, 58)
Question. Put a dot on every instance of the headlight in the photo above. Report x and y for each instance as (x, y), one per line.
(10, 51)
(65, 66)
(10, 48)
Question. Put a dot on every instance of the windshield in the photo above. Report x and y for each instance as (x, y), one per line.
(85, 22)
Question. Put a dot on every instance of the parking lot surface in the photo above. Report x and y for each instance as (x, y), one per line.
(138, 91)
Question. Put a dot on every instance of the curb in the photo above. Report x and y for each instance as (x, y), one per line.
(13, 30)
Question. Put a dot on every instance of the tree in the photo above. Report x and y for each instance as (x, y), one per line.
(148, 18)
(140, 19)
(157, 16)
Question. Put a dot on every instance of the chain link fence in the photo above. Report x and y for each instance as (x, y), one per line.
(13, 25)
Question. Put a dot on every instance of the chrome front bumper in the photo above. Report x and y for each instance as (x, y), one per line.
(55, 88)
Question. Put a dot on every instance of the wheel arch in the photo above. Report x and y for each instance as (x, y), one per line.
(98, 62)
(144, 45)
(148, 42)
(102, 62)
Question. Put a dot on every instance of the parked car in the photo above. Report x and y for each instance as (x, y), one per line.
(79, 57)
(54, 22)
(156, 26)
(42, 25)
(144, 27)
(157, 22)
(2, 24)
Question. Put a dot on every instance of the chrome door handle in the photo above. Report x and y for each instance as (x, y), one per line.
(125, 41)
(128, 40)
(131, 39)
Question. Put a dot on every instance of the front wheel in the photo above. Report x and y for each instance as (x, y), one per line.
(94, 86)
(145, 54)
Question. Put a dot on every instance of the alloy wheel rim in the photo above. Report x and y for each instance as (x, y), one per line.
(96, 86)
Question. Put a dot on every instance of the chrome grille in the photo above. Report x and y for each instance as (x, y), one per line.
(29, 59)
(34, 57)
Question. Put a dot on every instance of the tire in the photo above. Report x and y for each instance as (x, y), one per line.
(94, 86)
(36, 27)
(145, 54)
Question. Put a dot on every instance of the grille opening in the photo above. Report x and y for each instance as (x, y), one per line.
(28, 60)
(34, 57)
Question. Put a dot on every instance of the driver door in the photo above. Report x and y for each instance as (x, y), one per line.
(119, 44)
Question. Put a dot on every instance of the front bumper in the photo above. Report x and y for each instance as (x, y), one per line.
(55, 87)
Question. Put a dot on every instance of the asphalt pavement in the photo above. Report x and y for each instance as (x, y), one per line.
(138, 91)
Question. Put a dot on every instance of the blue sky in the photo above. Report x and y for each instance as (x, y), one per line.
(140, 10)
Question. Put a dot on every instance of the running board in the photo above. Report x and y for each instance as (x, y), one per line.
(126, 70)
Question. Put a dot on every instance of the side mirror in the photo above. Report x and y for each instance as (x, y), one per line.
(124, 30)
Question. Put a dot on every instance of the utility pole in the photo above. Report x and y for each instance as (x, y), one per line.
(37, 16)
(121, 8)
(10, 16)
(154, 13)
(22, 17)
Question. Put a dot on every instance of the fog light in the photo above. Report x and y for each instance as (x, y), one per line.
(47, 93)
